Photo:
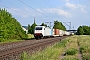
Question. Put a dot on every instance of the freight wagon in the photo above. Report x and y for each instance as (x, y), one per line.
(57, 32)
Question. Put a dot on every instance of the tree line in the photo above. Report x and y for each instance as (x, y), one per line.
(83, 30)
(57, 25)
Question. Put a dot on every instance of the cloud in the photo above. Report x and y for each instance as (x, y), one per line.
(24, 12)
(78, 7)
(82, 8)
(66, 0)
(39, 10)
(18, 12)
(55, 11)
(27, 12)
(62, 12)
(72, 6)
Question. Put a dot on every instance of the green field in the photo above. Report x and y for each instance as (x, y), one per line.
(71, 47)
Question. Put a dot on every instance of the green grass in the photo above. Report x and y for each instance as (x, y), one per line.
(47, 54)
(70, 58)
(54, 52)
(84, 41)
(50, 53)
(71, 51)
(24, 56)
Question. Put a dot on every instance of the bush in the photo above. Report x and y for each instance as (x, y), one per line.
(71, 51)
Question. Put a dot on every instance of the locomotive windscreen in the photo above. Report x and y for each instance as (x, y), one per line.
(38, 28)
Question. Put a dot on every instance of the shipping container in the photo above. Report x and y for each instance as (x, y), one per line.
(67, 33)
(47, 31)
(57, 32)
(61, 32)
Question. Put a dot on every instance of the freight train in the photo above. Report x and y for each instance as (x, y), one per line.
(42, 31)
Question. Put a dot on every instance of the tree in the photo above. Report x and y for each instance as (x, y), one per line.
(59, 25)
(89, 30)
(80, 31)
(33, 27)
(29, 28)
(43, 24)
(86, 30)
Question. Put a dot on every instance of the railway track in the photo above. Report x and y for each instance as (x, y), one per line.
(12, 51)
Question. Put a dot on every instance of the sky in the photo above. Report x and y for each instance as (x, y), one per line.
(76, 12)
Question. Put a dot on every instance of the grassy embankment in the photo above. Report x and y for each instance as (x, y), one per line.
(71, 53)
(50, 53)
(84, 42)
(30, 36)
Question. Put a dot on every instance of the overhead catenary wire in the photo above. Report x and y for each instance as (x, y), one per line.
(37, 5)
(43, 11)
(50, 5)
(20, 11)
(37, 10)
(33, 8)
(13, 9)
(52, 9)
(47, 3)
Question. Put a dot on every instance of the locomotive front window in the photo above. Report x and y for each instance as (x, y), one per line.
(38, 28)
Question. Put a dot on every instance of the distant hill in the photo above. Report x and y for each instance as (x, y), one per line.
(10, 28)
